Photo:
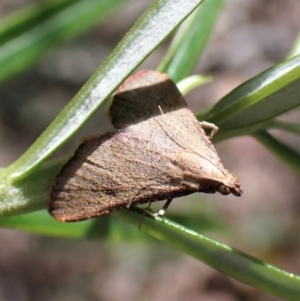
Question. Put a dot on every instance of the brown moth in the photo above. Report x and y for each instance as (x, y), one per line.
(158, 152)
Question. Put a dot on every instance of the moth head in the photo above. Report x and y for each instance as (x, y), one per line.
(231, 186)
(223, 189)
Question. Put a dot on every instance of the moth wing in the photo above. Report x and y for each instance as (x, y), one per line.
(141, 97)
(145, 161)
(109, 173)
(183, 128)
(197, 155)
(150, 99)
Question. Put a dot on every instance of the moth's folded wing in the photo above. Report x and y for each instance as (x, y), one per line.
(110, 173)
(184, 129)
(142, 96)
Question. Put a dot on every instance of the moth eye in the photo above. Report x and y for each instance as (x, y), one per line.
(223, 189)
(236, 177)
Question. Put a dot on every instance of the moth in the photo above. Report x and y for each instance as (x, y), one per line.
(158, 152)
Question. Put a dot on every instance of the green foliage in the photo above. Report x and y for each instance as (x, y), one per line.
(250, 109)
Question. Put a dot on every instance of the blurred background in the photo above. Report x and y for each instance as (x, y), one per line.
(249, 37)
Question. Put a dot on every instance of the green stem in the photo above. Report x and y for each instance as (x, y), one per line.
(228, 260)
(287, 154)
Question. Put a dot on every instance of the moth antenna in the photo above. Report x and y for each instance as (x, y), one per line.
(182, 145)
(161, 111)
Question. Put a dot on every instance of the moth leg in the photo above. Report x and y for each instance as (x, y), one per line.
(163, 210)
(147, 210)
(128, 205)
(211, 126)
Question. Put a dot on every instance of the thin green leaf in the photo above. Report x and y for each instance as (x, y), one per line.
(239, 265)
(188, 84)
(24, 19)
(269, 94)
(248, 130)
(284, 152)
(104, 227)
(107, 227)
(29, 193)
(190, 41)
(42, 223)
(296, 48)
(28, 34)
(282, 125)
(230, 261)
(136, 46)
